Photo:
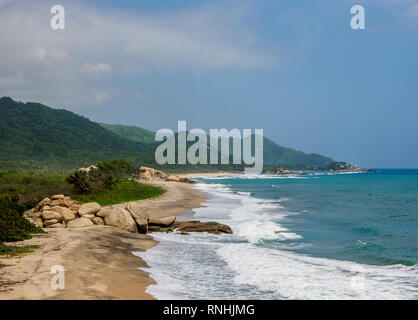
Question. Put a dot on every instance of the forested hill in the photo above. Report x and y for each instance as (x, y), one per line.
(36, 136)
(32, 131)
(274, 154)
(135, 134)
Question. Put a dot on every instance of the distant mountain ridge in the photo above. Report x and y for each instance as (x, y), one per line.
(38, 136)
(274, 154)
(132, 133)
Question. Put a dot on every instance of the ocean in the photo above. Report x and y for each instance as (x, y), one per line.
(323, 235)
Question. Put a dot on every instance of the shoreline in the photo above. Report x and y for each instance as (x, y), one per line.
(98, 261)
(208, 174)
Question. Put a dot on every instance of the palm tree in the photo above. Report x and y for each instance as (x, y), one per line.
(82, 182)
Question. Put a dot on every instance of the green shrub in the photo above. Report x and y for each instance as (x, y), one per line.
(13, 226)
(118, 168)
(124, 191)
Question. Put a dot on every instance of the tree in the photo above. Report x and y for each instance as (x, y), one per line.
(82, 182)
(110, 182)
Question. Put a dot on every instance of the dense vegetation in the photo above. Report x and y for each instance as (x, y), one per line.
(58, 139)
(29, 186)
(111, 182)
(13, 226)
(132, 133)
(124, 191)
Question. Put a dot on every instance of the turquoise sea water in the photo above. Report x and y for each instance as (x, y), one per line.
(315, 236)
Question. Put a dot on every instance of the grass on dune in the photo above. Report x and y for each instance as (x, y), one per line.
(13, 251)
(123, 192)
(31, 185)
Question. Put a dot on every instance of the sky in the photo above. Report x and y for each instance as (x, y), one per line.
(293, 68)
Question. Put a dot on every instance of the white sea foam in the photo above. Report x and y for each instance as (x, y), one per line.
(295, 276)
(239, 266)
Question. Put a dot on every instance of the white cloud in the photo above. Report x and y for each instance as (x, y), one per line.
(50, 66)
(413, 11)
(100, 96)
(42, 55)
(95, 69)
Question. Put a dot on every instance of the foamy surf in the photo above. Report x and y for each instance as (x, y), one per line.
(257, 261)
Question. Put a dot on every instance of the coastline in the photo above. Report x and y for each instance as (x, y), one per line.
(98, 261)
(208, 174)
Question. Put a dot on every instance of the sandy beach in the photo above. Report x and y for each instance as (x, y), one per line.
(98, 261)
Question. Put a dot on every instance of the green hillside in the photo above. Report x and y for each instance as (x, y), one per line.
(274, 154)
(132, 133)
(36, 137)
(34, 133)
(290, 158)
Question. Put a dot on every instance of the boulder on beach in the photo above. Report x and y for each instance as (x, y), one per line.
(197, 226)
(89, 208)
(56, 226)
(42, 204)
(66, 213)
(38, 222)
(120, 218)
(103, 212)
(147, 174)
(32, 214)
(80, 223)
(173, 178)
(139, 215)
(58, 197)
(98, 221)
(162, 222)
(48, 215)
(50, 222)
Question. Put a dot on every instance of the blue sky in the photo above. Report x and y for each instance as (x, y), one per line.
(294, 68)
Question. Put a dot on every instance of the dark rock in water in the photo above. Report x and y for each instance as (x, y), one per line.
(197, 226)
(159, 229)
(185, 180)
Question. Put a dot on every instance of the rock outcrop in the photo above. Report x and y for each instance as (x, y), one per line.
(80, 223)
(50, 215)
(173, 178)
(88, 169)
(98, 220)
(162, 222)
(197, 226)
(89, 208)
(54, 212)
(65, 213)
(148, 174)
(60, 211)
(140, 216)
(121, 219)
